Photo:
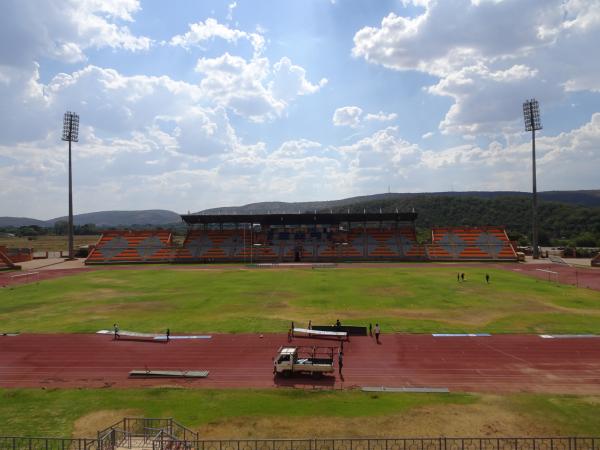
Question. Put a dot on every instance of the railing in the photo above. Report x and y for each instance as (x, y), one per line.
(44, 443)
(108, 440)
(564, 443)
(140, 431)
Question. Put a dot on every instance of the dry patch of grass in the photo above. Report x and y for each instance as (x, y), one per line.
(101, 294)
(390, 291)
(48, 243)
(129, 307)
(490, 417)
(89, 424)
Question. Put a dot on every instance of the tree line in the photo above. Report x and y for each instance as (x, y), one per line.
(560, 224)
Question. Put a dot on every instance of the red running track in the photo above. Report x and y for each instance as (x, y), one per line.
(503, 363)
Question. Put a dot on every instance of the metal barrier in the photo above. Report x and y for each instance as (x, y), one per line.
(132, 432)
(558, 443)
(170, 435)
(44, 443)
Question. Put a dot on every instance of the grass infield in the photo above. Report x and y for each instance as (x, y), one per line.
(290, 413)
(417, 300)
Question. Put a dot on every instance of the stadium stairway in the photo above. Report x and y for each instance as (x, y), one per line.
(470, 244)
(116, 247)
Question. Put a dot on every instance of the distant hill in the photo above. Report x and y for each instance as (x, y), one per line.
(582, 198)
(21, 222)
(564, 215)
(153, 217)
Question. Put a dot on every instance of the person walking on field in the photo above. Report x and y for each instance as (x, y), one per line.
(168, 334)
(458, 277)
(377, 331)
(116, 330)
(462, 276)
(487, 278)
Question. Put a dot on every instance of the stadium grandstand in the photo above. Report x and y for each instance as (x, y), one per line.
(310, 237)
(460, 244)
(133, 247)
(306, 237)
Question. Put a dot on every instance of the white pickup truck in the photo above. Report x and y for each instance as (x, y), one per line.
(313, 360)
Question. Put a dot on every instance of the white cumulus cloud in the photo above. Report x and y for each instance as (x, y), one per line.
(201, 32)
(491, 55)
(354, 117)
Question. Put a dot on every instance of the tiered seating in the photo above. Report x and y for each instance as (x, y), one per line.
(225, 245)
(132, 247)
(5, 262)
(299, 244)
(406, 239)
(381, 244)
(17, 255)
(355, 247)
(456, 244)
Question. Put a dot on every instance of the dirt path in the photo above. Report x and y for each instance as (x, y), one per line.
(497, 364)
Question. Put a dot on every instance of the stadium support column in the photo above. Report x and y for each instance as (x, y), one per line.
(531, 114)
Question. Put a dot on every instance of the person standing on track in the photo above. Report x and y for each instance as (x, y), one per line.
(168, 334)
(116, 331)
(377, 331)
(340, 361)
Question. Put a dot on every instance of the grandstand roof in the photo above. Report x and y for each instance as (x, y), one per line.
(299, 219)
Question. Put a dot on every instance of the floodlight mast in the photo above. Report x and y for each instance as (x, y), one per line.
(531, 114)
(70, 134)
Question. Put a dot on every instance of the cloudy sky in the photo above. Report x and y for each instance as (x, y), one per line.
(187, 105)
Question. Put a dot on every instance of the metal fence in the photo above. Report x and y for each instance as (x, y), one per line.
(504, 443)
(43, 443)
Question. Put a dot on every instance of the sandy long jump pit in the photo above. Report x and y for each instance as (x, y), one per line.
(502, 363)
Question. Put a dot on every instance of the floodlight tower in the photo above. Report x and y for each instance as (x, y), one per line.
(70, 134)
(531, 114)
